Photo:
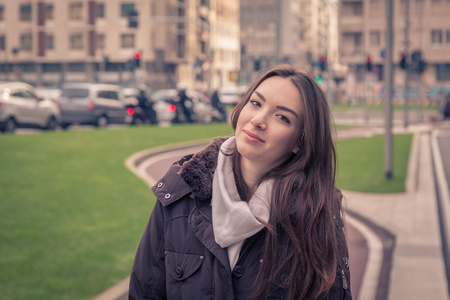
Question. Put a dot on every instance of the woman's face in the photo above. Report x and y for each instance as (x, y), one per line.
(269, 124)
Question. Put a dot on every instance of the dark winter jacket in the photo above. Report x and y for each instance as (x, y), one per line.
(178, 257)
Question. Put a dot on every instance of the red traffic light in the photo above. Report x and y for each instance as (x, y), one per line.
(137, 55)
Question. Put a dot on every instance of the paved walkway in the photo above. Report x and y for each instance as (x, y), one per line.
(417, 270)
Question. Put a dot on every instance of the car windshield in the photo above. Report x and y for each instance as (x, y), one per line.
(75, 93)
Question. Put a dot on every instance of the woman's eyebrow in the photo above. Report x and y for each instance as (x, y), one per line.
(260, 96)
(278, 106)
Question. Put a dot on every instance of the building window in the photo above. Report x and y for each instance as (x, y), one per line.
(352, 43)
(49, 12)
(76, 41)
(50, 42)
(447, 37)
(125, 8)
(352, 9)
(443, 72)
(100, 41)
(436, 37)
(25, 12)
(26, 42)
(2, 42)
(375, 38)
(181, 46)
(75, 11)
(127, 40)
(2, 12)
(100, 10)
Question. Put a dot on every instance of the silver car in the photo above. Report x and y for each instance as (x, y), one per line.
(92, 103)
(21, 107)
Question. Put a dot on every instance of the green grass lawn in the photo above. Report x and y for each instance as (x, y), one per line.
(361, 164)
(72, 214)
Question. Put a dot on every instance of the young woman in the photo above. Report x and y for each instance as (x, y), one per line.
(254, 216)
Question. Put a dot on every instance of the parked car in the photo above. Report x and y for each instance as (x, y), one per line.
(231, 95)
(92, 103)
(168, 109)
(20, 107)
(52, 94)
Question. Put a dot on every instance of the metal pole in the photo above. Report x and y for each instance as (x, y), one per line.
(388, 84)
(407, 69)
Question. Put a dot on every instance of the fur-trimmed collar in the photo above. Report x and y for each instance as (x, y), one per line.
(198, 172)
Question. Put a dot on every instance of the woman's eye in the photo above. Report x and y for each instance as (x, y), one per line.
(255, 103)
(284, 119)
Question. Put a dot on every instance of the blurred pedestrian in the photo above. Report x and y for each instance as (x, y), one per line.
(256, 215)
(147, 106)
(185, 102)
(218, 105)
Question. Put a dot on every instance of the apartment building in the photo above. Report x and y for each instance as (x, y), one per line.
(297, 32)
(362, 35)
(55, 41)
(270, 34)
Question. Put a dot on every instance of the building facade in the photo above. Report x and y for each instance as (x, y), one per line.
(270, 34)
(362, 35)
(52, 42)
(298, 32)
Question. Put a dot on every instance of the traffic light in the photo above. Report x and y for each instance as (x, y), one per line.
(422, 65)
(323, 62)
(257, 65)
(418, 64)
(133, 19)
(403, 64)
(369, 63)
(319, 79)
(137, 59)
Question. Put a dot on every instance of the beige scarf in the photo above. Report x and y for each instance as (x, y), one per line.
(235, 220)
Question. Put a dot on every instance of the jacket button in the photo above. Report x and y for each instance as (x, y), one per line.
(160, 184)
(167, 196)
(238, 271)
(178, 271)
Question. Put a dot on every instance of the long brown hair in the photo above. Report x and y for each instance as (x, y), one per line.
(301, 241)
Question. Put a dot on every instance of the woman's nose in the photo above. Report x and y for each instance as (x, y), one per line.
(259, 122)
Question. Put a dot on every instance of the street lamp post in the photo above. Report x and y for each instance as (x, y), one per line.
(389, 85)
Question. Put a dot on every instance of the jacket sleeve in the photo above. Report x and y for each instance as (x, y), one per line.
(148, 276)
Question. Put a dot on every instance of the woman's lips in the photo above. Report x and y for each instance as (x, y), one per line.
(252, 137)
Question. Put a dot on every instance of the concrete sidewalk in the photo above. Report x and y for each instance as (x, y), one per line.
(417, 270)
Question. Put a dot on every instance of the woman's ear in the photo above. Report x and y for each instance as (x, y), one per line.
(296, 149)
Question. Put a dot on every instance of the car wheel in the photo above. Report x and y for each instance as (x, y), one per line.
(10, 125)
(102, 121)
(65, 125)
(51, 123)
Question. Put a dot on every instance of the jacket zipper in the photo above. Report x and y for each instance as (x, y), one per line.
(344, 280)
